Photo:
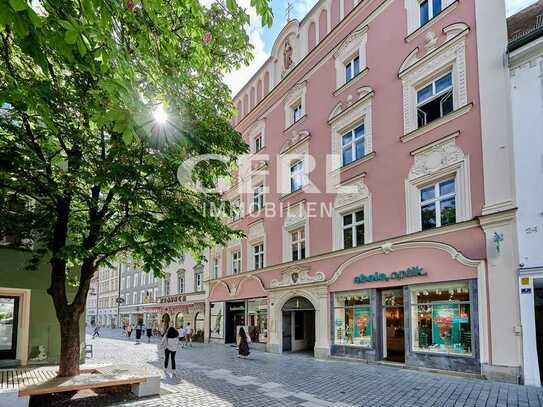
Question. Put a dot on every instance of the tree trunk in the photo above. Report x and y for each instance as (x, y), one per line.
(69, 345)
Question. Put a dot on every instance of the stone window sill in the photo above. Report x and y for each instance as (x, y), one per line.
(354, 80)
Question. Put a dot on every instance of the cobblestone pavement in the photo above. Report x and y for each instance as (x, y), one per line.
(212, 375)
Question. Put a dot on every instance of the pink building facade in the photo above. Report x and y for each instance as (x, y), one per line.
(377, 200)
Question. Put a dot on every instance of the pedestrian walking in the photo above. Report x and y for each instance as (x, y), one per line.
(149, 332)
(182, 336)
(96, 331)
(139, 328)
(170, 343)
(243, 348)
(129, 331)
(188, 335)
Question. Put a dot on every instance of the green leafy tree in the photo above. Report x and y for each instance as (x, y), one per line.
(87, 173)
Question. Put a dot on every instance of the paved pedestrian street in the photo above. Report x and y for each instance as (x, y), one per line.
(212, 375)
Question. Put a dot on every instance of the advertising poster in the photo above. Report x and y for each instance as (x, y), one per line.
(339, 326)
(217, 320)
(362, 322)
(445, 324)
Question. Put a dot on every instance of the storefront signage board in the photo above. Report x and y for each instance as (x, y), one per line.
(415, 271)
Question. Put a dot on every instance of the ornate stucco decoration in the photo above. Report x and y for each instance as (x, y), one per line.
(432, 163)
(350, 193)
(295, 215)
(435, 158)
(295, 138)
(417, 69)
(256, 231)
(297, 275)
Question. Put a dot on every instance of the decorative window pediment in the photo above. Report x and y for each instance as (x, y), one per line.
(354, 46)
(295, 101)
(416, 71)
(435, 162)
(346, 118)
(350, 197)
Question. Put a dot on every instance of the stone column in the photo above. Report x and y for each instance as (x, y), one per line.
(322, 317)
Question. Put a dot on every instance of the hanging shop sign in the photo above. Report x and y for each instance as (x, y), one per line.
(410, 272)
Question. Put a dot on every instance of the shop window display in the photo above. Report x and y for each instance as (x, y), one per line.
(257, 323)
(217, 320)
(353, 319)
(441, 316)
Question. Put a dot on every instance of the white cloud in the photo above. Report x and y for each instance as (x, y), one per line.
(302, 7)
(235, 80)
(514, 6)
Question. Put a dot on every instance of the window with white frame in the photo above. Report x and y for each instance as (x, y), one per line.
(123, 282)
(236, 262)
(155, 293)
(135, 298)
(142, 278)
(136, 279)
(297, 244)
(215, 268)
(142, 296)
(294, 104)
(435, 99)
(350, 57)
(297, 112)
(352, 68)
(258, 256)
(352, 145)
(181, 283)
(258, 197)
(428, 9)
(199, 282)
(438, 204)
(128, 282)
(258, 143)
(437, 187)
(297, 176)
(167, 285)
(353, 229)
(436, 90)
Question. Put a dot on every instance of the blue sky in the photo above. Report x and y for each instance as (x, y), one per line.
(262, 38)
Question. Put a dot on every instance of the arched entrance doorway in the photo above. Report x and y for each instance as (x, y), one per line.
(298, 325)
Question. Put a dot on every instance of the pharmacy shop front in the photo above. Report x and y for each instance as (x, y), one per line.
(418, 307)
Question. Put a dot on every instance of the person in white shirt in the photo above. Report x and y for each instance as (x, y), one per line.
(170, 343)
(182, 336)
(188, 335)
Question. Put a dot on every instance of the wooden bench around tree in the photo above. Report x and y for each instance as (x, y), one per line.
(18, 385)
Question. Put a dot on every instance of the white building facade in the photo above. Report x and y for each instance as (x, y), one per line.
(526, 66)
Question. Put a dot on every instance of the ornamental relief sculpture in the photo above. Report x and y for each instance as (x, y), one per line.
(256, 231)
(345, 198)
(436, 158)
(296, 275)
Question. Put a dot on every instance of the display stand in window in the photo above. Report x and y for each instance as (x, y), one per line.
(441, 317)
(353, 319)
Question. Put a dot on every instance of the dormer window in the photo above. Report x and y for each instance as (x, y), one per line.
(296, 112)
(428, 10)
(352, 68)
(435, 100)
